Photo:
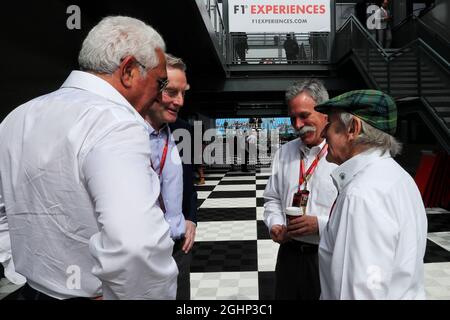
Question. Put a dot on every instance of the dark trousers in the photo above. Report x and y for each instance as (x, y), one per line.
(244, 166)
(297, 272)
(291, 58)
(384, 37)
(183, 261)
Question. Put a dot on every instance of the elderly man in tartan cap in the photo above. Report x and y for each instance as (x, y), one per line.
(374, 243)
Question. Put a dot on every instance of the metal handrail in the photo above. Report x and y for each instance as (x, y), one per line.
(413, 18)
(442, 128)
(345, 24)
(310, 51)
(419, 44)
(367, 35)
(371, 45)
(431, 53)
(410, 17)
(435, 56)
(216, 5)
(430, 106)
(430, 30)
(429, 113)
(212, 8)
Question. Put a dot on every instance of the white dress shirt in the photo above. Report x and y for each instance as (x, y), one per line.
(284, 180)
(5, 247)
(374, 244)
(171, 180)
(79, 196)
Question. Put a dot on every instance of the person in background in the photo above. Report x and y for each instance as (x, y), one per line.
(79, 214)
(251, 140)
(240, 46)
(374, 244)
(200, 164)
(291, 47)
(300, 168)
(177, 193)
(383, 20)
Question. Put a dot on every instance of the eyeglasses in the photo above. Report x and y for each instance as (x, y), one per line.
(162, 83)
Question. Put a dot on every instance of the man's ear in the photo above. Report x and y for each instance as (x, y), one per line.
(355, 128)
(127, 71)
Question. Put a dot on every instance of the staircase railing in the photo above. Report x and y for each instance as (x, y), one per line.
(270, 48)
(418, 70)
(426, 57)
(414, 28)
(213, 9)
(353, 37)
(437, 125)
(411, 16)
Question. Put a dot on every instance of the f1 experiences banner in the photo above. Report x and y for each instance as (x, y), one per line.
(276, 16)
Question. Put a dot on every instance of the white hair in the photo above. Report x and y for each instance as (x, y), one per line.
(372, 137)
(115, 38)
(313, 87)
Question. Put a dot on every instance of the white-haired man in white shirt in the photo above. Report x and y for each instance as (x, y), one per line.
(375, 240)
(79, 217)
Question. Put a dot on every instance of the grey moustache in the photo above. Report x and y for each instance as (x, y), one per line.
(304, 130)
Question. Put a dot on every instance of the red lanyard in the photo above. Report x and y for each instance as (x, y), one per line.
(304, 176)
(161, 167)
(163, 157)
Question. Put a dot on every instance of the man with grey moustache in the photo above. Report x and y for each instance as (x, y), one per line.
(300, 170)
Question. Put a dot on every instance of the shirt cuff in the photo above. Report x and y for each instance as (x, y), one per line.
(11, 274)
(177, 226)
(275, 219)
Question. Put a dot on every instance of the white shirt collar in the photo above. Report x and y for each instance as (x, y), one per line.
(314, 151)
(343, 174)
(90, 82)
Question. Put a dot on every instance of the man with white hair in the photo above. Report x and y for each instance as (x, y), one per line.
(79, 218)
(375, 240)
(300, 170)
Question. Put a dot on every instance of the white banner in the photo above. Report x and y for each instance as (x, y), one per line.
(279, 16)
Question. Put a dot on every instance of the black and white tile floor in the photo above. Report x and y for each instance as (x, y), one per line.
(234, 257)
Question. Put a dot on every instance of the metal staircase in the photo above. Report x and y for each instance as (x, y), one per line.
(415, 75)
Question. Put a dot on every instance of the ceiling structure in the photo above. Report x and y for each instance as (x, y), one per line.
(45, 51)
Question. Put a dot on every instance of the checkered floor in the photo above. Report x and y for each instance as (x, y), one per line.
(234, 257)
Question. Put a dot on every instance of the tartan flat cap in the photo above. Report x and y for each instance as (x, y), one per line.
(374, 107)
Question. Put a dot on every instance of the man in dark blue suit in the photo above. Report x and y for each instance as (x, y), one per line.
(190, 215)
